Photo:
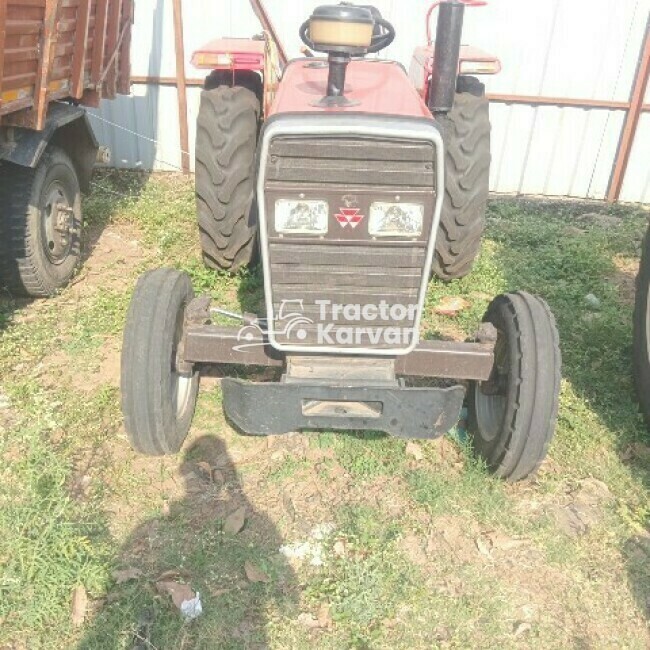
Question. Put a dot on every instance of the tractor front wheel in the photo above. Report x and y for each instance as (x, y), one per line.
(466, 133)
(226, 142)
(512, 416)
(158, 397)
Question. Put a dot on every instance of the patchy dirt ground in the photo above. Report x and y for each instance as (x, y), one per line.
(319, 540)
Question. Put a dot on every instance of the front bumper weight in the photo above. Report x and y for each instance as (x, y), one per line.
(265, 409)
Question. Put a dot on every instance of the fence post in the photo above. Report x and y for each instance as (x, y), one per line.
(181, 86)
(631, 120)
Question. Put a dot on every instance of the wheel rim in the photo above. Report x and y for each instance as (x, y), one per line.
(57, 224)
(491, 397)
(181, 386)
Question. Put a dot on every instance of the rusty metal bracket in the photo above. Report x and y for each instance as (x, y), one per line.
(204, 343)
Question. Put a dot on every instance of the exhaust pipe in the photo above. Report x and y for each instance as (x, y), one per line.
(446, 56)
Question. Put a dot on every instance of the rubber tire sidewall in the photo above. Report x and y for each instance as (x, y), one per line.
(152, 424)
(641, 360)
(56, 166)
(532, 397)
(461, 226)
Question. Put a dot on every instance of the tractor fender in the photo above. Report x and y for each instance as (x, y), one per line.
(67, 127)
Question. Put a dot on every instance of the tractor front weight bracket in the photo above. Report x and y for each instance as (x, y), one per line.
(333, 391)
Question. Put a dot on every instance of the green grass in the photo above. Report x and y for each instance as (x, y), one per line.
(63, 427)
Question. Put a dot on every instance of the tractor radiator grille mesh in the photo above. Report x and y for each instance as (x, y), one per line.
(347, 266)
(341, 161)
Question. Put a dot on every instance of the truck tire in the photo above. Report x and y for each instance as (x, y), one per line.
(158, 400)
(226, 143)
(466, 133)
(641, 361)
(512, 416)
(40, 225)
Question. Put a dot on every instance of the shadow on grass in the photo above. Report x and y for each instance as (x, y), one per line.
(564, 252)
(190, 546)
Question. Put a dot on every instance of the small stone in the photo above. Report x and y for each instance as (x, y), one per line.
(309, 620)
(451, 306)
(592, 302)
(414, 450)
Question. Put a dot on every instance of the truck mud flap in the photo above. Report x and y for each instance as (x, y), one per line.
(274, 408)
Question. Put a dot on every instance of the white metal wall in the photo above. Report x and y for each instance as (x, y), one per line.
(584, 49)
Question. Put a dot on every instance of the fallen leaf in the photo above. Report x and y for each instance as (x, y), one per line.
(324, 616)
(340, 548)
(172, 575)
(451, 306)
(483, 547)
(205, 469)
(165, 510)
(309, 620)
(218, 477)
(520, 628)
(215, 593)
(641, 451)
(254, 573)
(413, 449)
(125, 575)
(179, 592)
(235, 521)
(79, 605)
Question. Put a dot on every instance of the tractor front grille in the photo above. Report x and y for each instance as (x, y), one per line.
(309, 275)
(305, 276)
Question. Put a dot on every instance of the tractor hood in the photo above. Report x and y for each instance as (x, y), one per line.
(373, 86)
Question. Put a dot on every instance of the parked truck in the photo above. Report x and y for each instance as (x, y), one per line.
(56, 57)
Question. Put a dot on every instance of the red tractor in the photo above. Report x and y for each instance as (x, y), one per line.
(352, 184)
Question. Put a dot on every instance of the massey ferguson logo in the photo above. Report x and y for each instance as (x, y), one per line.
(349, 217)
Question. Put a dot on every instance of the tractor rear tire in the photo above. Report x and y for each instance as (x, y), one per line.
(641, 327)
(158, 400)
(40, 225)
(466, 133)
(512, 417)
(226, 143)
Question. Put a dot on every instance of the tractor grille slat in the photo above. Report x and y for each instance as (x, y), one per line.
(340, 161)
(409, 256)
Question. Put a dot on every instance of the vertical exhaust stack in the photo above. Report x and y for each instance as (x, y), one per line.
(446, 56)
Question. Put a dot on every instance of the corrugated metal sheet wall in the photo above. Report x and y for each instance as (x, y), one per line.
(584, 49)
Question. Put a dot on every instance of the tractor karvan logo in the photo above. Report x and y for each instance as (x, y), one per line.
(337, 324)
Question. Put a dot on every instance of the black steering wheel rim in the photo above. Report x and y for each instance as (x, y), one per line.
(378, 43)
(382, 41)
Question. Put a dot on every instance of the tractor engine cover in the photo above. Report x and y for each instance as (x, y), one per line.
(349, 205)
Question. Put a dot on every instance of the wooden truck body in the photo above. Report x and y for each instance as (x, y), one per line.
(56, 56)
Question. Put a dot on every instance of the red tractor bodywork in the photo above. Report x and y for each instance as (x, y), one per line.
(305, 81)
(303, 85)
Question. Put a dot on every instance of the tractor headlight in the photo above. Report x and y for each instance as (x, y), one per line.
(301, 217)
(396, 219)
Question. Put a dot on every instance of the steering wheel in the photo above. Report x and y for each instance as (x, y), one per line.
(380, 41)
